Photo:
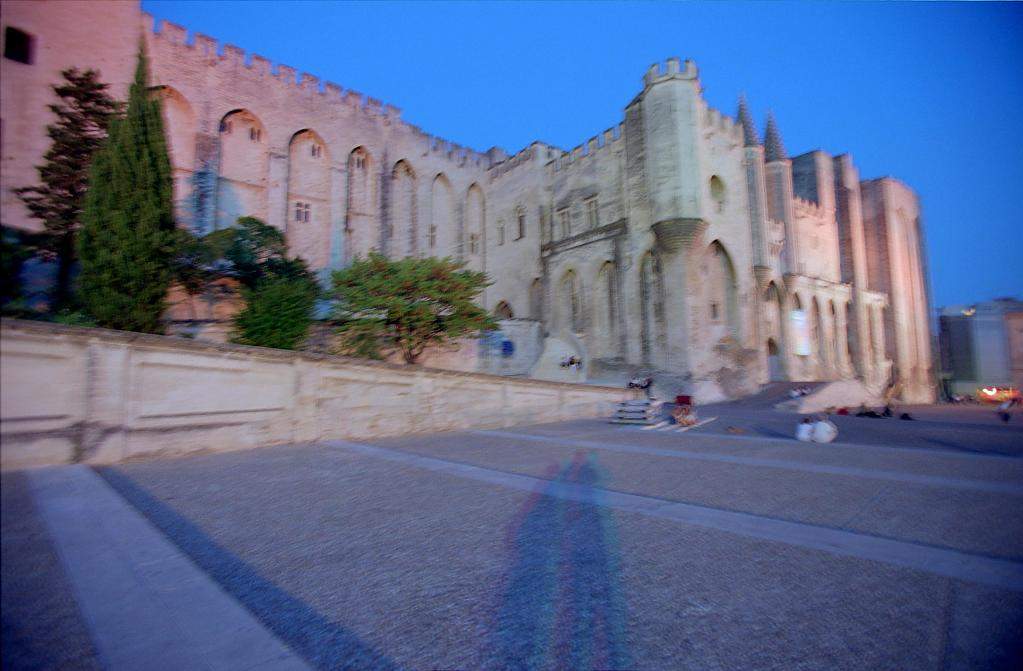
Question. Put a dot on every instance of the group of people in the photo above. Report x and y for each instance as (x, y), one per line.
(683, 415)
(644, 383)
(885, 413)
(816, 430)
(572, 362)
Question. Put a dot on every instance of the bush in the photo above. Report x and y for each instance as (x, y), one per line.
(407, 305)
(277, 313)
(74, 318)
(14, 252)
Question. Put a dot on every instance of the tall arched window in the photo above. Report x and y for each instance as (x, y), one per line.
(441, 235)
(180, 122)
(652, 341)
(717, 193)
(244, 163)
(774, 315)
(400, 235)
(308, 228)
(605, 312)
(536, 299)
(721, 291)
(475, 218)
(361, 224)
(569, 308)
(833, 321)
(817, 330)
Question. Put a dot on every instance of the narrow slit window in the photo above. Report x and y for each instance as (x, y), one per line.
(592, 214)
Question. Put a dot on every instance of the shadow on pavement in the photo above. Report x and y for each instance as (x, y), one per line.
(561, 603)
(321, 642)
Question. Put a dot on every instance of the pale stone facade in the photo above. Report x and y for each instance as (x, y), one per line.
(675, 241)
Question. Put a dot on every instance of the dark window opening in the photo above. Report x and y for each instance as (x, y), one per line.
(18, 45)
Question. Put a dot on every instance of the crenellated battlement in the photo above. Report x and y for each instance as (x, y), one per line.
(717, 122)
(522, 157)
(597, 145)
(808, 208)
(672, 68)
(262, 69)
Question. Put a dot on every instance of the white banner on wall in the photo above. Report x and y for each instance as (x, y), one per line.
(800, 329)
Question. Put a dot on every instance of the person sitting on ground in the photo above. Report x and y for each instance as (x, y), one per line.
(683, 415)
(887, 412)
(804, 430)
(864, 412)
(824, 431)
(648, 387)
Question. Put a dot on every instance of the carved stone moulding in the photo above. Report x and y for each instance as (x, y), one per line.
(676, 234)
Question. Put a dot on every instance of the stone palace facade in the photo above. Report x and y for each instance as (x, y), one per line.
(678, 240)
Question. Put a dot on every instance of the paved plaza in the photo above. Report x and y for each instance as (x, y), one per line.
(575, 545)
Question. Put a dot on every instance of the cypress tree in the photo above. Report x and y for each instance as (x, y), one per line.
(128, 241)
(83, 112)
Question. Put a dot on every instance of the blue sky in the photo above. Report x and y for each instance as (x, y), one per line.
(931, 93)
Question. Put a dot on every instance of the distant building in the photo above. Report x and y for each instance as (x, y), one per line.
(680, 240)
(981, 345)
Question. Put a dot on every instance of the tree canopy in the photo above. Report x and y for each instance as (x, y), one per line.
(128, 240)
(83, 113)
(407, 305)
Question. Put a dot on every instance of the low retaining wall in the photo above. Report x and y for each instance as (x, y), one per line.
(72, 394)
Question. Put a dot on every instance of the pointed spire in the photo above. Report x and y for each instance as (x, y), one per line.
(749, 129)
(774, 150)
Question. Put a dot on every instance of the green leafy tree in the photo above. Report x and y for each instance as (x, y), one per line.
(128, 243)
(251, 251)
(277, 312)
(408, 305)
(83, 113)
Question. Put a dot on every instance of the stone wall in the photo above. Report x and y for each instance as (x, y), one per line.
(72, 394)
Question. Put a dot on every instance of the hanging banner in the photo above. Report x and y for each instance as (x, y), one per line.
(799, 327)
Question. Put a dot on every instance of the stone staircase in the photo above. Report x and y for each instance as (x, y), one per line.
(637, 411)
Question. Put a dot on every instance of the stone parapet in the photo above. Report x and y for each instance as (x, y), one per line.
(72, 394)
